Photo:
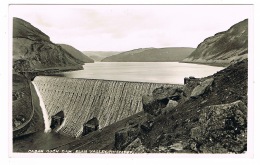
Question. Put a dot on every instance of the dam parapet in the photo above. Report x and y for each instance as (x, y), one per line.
(83, 99)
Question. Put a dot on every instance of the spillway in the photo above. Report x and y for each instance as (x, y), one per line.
(83, 99)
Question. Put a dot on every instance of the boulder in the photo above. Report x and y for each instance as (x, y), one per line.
(201, 88)
(170, 106)
(147, 126)
(126, 136)
(189, 79)
(90, 126)
(173, 93)
(176, 147)
(222, 128)
(153, 106)
(136, 146)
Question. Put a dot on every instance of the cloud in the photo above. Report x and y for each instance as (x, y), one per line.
(125, 27)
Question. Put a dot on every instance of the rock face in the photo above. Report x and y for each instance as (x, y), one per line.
(202, 88)
(151, 55)
(136, 146)
(126, 136)
(82, 99)
(222, 128)
(224, 47)
(33, 51)
(158, 103)
(153, 106)
(76, 53)
(173, 93)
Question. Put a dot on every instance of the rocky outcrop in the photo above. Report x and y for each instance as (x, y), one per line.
(76, 53)
(136, 146)
(153, 106)
(33, 51)
(82, 99)
(223, 48)
(214, 122)
(173, 54)
(126, 136)
(202, 88)
(222, 128)
(173, 93)
(162, 99)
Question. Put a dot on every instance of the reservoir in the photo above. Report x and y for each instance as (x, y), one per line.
(155, 72)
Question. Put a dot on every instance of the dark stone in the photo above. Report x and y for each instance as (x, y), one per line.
(162, 93)
(153, 106)
(126, 136)
(147, 126)
(90, 126)
(57, 120)
(189, 79)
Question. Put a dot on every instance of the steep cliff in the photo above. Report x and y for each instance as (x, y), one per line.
(151, 55)
(82, 99)
(33, 50)
(224, 47)
(76, 53)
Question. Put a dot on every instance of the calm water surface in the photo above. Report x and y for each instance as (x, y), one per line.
(157, 72)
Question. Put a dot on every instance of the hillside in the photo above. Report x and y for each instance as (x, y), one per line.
(99, 55)
(33, 54)
(213, 121)
(33, 50)
(224, 47)
(151, 55)
(76, 53)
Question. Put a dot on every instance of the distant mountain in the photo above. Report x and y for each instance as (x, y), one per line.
(224, 47)
(171, 54)
(33, 50)
(99, 55)
(77, 54)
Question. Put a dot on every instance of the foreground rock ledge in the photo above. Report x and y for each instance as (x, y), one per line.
(221, 129)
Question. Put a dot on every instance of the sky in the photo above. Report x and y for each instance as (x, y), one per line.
(127, 27)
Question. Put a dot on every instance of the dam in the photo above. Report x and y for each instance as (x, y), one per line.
(83, 99)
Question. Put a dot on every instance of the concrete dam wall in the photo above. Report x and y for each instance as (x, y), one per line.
(83, 99)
